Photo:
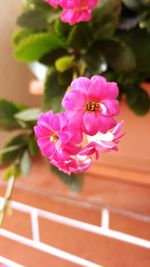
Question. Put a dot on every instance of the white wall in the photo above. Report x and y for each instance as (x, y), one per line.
(14, 76)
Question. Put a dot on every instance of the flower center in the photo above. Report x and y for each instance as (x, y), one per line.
(92, 106)
(54, 138)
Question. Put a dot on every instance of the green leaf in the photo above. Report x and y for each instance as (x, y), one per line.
(35, 46)
(74, 181)
(141, 49)
(50, 58)
(132, 4)
(25, 164)
(35, 19)
(7, 115)
(61, 29)
(31, 4)
(10, 171)
(106, 18)
(80, 36)
(9, 154)
(32, 145)
(65, 78)
(145, 2)
(118, 55)
(145, 21)
(13, 149)
(138, 100)
(19, 35)
(54, 92)
(64, 63)
(28, 114)
(93, 58)
(9, 149)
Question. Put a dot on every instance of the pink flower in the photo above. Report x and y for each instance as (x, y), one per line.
(101, 143)
(75, 164)
(53, 3)
(75, 11)
(91, 104)
(56, 139)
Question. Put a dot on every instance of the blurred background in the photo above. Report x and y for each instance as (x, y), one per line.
(14, 76)
(119, 183)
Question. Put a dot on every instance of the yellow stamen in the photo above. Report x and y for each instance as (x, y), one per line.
(54, 138)
(92, 106)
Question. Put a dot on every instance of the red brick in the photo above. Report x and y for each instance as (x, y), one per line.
(67, 208)
(19, 223)
(29, 257)
(130, 226)
(105, 251)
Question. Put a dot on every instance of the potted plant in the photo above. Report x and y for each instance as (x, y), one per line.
(76, 41)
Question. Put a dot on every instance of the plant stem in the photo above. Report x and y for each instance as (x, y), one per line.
(7, 199)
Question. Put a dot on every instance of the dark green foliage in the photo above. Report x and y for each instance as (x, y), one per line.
(61, 29)
(138, 41)
(118, 55)
(7, 115)
(132, 4)
(13, 149)
(18, 151)
(138, 100)
(32, 145)
(50, 58)
(35, 19)
(55, 87)
(106, 18)
(80, 37)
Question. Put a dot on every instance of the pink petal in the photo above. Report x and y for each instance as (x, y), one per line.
(97, 77)
(112, 107)
(75, 118)
(55, 123)
(63, 120)
(83, 16)
(71, 149)
(97, 89)
(91, 122)
(41, 131)
(68, 16)
(74, 100)
(112, 90)
(92, 4)
(47, 147)
(44, 119)
(118, 128)
(81, 84)
(75, 11)
(106, 123)
(76, 135)
(90, 149)
(64, 137)
(67, 4)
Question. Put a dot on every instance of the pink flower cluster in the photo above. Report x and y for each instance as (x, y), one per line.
(74, 11)
(70, 139)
